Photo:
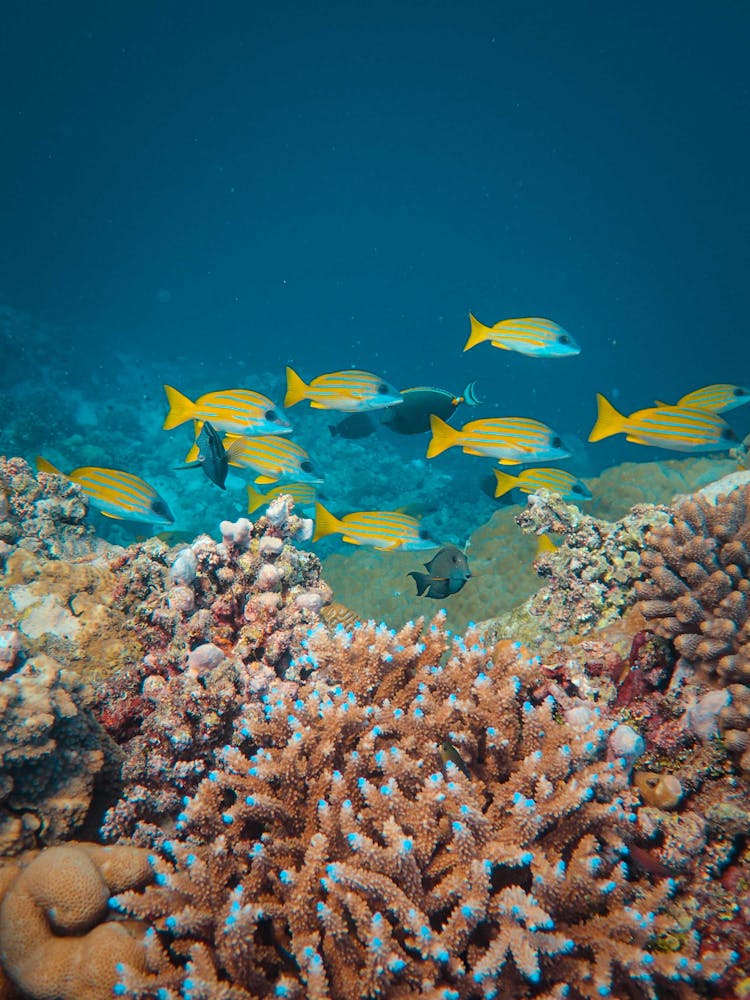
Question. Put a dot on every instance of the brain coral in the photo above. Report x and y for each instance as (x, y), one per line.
(697, 590)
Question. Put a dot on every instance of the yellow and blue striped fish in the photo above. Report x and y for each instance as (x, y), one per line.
(532, 335)
(235, 411)
(303, 495)
(115, 494)
(274, 459)
(383, 529)
(531, 480)
(718, 398)
(511, 440)
(351, 391)
(676, 427)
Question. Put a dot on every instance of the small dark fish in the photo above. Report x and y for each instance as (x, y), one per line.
(356, 425)
(413, 416)
(446, 574)
(212, 457)
(449, 753)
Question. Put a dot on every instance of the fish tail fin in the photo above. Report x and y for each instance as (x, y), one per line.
(181, 409)
(470, 395)
(325, 523)
(255, 498)
(608, 420)
(479, 333)
(296, 389)
(544, 544)
(422, 581)
(505, 482)
(443, 436)
(42, 465)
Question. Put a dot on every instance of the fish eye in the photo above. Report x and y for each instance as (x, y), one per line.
(577, 488)
(271, 415)
(382, 388)
(557, 442)
(739, 391)
(563, 339)
(423, 533)
(306, 466)
(730, 435)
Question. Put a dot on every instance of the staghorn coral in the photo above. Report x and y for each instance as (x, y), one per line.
(411, 821)
(698, 594)
(55, 936)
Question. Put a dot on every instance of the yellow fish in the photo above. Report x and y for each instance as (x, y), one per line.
(718, 398)
(115, 494)
(532, 335)
(675, 427)
(303, 495)
(274, 459)
(511, 440)
(531, 480)
(235, 411)
(383, 529)
(350, 391)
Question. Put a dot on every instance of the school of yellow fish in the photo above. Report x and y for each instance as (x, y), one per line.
(255, 444)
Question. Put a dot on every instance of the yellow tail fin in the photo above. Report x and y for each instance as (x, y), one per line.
(42, 465)
(325, 523)
(479, 333)
(296, 389)
(443, 436)
(505, 482)
(544, 544)
(181, 409)
(608, 420)
(255, 498)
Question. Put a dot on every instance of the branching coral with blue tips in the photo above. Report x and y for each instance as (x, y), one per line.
(411, 821)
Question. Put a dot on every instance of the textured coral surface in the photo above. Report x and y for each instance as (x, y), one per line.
(698, 593)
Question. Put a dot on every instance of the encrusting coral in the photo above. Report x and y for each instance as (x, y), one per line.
(698, 594)
(412, 820)
(54, 755)
(56, 940)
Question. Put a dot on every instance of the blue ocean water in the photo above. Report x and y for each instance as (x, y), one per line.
(202, 195)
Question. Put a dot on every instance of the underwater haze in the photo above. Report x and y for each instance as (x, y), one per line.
(203, 194)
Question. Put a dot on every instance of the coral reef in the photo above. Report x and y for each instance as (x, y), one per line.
(415, 819)
(56, 935)
(696, 593)
(54, 755)
(44, 514)
(589, 578)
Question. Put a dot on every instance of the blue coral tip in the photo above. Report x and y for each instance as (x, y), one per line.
(603, 991)
(119, 989)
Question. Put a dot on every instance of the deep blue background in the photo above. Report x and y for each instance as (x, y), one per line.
(339, 184)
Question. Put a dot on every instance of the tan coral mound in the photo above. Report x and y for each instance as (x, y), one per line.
(698, 593)
(55, 940)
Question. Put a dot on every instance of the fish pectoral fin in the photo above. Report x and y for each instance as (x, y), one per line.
(115, 517)
(509, 461)
(317, 406)
(422, 581)
(635, 440)
(352, 541)
(264, 480)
